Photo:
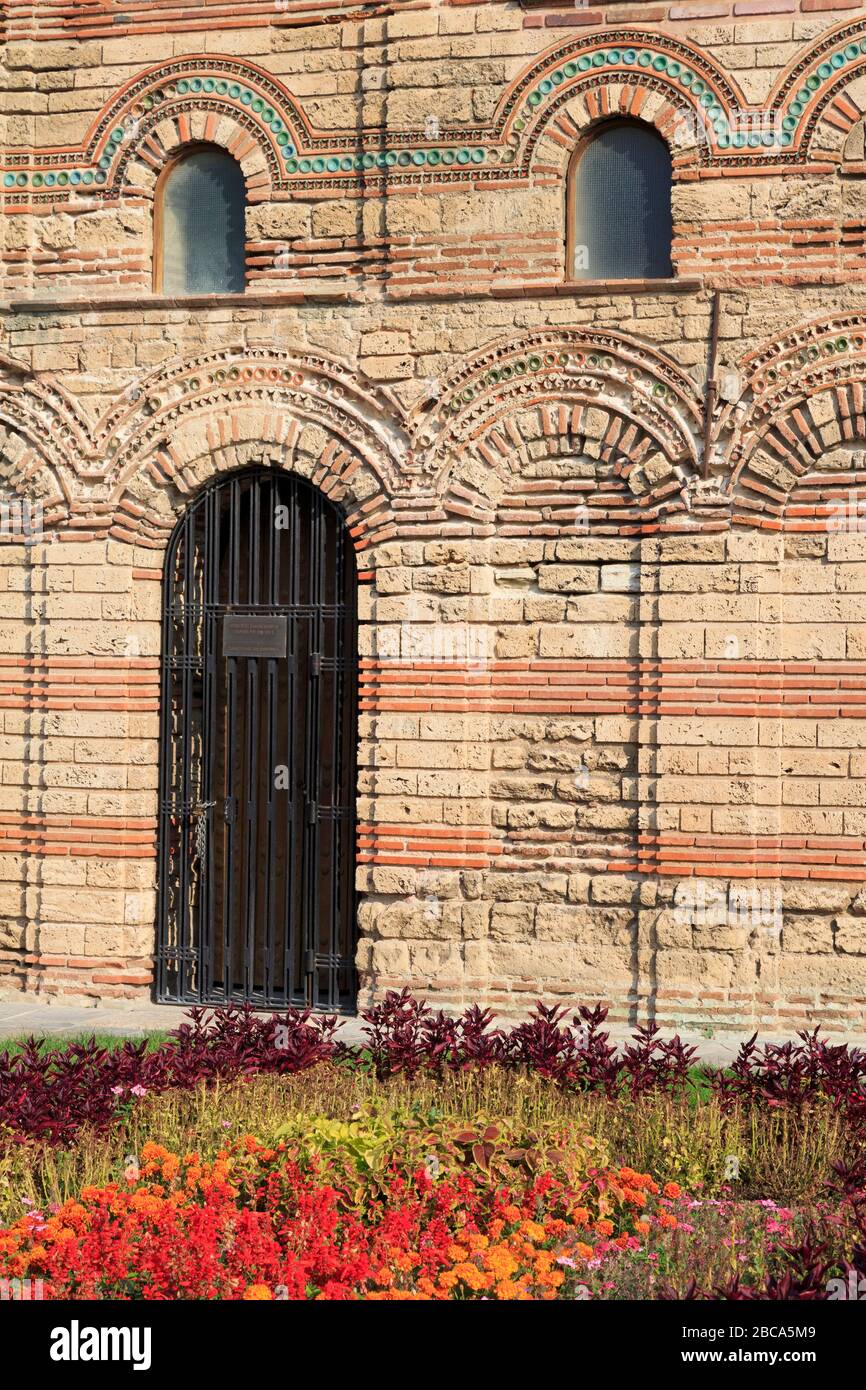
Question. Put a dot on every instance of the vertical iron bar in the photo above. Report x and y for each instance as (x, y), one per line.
(270, 927)
(349, 774)
(229, 905)
(294, 730)
(247, 921)
(185, 940)
(335, 825)
(210, 595)
(167, 800)
(314, 823)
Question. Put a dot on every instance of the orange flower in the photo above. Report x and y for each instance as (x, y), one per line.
(470, 1274)
(500, 1261)
(506, 1289)
(642, 1228)
(256, 1292)
(668, 1221)
(604, 1227)
(534, 1231)
(672, 1190)
(153, 1153)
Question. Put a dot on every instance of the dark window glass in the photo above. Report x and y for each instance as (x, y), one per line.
(203, 203)
(622, 201)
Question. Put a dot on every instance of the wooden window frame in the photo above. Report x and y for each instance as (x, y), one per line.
(580, 149)
(165, 173)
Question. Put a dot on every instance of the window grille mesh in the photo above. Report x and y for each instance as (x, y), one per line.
(203, 226)
(622, 193)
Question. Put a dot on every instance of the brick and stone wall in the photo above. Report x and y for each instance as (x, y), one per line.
(612, 737)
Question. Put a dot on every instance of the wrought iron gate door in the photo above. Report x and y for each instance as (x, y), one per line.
(257, 775)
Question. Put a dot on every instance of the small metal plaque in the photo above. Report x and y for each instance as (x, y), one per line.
(246, 635)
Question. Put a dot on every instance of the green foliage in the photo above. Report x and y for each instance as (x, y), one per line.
(364, 1141)
(58, 1042)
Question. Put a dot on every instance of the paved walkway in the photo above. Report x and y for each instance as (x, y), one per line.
(18, 1019)
(25, 1017)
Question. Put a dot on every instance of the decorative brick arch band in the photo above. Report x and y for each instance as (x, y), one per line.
(604, 396)
(545, 468)
(148, 502)
(43, 437)
(204, 96)
(804, 397)
(822, 93)
(817, 100)
(117, 474)
(601, 394)
(670, 82)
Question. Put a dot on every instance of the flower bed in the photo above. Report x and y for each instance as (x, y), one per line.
(334, 1212)
(444, 1159)
(261, 1223)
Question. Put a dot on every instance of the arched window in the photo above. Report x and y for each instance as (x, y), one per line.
(620, 205)
(200, 207)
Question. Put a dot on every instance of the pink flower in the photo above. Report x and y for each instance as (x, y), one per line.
(138, 1090)
(117, 1090)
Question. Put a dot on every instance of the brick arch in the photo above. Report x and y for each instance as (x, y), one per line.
(147, 506)
(543, 467)
(130, 467)
(604, 395)
(625, 73)
(166, 137)
(190, 405)
(565, 133)
(30, 479)
(43, 441)
(197, 97)
(148, 495)
(821, 95)
(804, 396)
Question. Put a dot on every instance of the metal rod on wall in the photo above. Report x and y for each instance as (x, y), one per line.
(712, 382)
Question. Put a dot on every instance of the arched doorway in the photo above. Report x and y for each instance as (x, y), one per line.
(258, 749)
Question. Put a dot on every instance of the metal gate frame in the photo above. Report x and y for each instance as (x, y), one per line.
(227, 928)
